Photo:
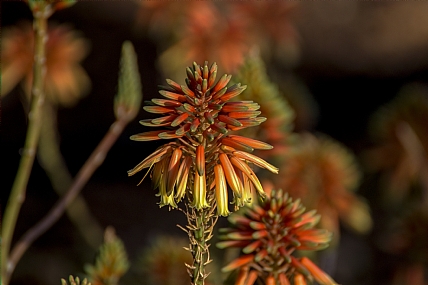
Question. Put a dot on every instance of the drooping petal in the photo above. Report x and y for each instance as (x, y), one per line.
(231, 177)
(320, 276)
(151, 159)
(256, 160)
(221, 191)
(173, 167)
(182, 177)
(199, 192)
(249, 173)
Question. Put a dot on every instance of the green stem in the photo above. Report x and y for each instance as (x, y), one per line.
(203, 224)
(52, 161)
(17, 195)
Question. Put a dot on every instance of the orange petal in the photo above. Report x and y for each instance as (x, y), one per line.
(252, 277)
(166, 103)
(229, 121)
(283, 280)
(158, 109)
(174, 85)
(242, 276)
(233, 91)
(218, 128)
(183, 130)
(200, 160)
(239, 262)
(173, 167)
(236, 145)
(172, 95)
(299, 280)
(146, 136)
(165, 119)
(169, 135)
(222, 82)
(209, 118)
(221, 191)
(179, 119)
(218, 94)
(151, 159)
(182, 178)
(270, 280)
(231, 177)
(241, 165)
(256, 144)
(187, 91)
(256, 160)
(319, 275)
(195, 124)
(244, 115)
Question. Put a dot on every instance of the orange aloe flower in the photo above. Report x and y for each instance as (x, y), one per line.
(324, 175)
(66, 81)
(204, 158)
(269, 234)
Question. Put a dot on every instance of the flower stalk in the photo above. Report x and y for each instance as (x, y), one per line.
(17, 195)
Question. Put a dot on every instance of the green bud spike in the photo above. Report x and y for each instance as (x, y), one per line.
(129, 94)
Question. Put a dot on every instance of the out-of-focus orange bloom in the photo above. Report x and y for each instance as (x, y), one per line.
(401, 136)
(209, 34)
(65, 82)
(324, 174)
(269, 234)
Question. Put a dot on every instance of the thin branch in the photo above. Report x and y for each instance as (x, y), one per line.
(93, 162)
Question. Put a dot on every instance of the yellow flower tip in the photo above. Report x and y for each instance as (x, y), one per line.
(199, 192)
(221, 191)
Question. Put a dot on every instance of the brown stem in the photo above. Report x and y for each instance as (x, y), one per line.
(94, 161)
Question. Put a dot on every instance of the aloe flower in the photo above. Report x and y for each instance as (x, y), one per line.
(269, 235)
(204, 159)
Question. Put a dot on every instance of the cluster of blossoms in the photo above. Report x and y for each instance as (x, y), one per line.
(204, 158)
(269, 234)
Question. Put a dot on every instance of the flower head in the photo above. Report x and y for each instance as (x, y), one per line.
(66, 81)
(324, 175)
(269, 234)
(204, 158)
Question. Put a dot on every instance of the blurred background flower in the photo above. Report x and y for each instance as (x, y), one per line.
(324, 174)
(66, 81)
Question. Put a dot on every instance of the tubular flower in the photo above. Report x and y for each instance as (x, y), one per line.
(269, 234)
(204, 159)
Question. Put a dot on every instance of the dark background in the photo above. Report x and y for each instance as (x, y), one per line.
(347, 84)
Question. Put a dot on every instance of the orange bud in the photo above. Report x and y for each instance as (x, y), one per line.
(200, 160)
(239, 262)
